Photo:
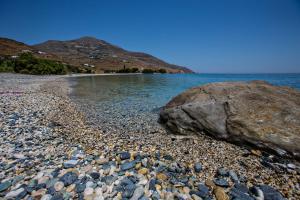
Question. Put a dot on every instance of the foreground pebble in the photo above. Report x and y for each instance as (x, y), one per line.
(47, 152)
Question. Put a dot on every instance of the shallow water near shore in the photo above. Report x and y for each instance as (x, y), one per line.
(132, 102)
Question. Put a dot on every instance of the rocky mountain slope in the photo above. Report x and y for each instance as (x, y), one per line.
(90, 52)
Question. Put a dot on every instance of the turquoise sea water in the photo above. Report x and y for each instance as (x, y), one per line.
(119, 99)
(160, 88)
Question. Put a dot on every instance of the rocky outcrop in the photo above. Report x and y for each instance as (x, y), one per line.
(254, 113)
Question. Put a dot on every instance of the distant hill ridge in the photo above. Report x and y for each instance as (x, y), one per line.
(91, 52)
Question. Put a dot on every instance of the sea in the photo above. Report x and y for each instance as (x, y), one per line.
(133, 102)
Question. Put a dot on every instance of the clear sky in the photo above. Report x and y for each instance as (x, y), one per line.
(224, 36)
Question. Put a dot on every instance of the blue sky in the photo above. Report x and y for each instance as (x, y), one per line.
(229, 36)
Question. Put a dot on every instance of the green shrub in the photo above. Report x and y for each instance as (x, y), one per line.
(28, 64)
(109, 71)
(148, 71)
(6, 66)
(125, 70)
(128, 70)
(134, 70)
(162, 71)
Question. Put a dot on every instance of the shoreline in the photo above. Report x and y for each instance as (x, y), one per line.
(44, 127)
(104, 74)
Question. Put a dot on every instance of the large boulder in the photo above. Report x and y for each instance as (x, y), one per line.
(246, 113)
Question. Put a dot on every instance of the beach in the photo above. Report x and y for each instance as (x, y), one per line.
(49, 150)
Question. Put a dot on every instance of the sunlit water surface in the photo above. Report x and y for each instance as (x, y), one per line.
(132, 101)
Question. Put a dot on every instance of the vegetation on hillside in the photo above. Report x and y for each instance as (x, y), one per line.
(26, 63)
(136, 70)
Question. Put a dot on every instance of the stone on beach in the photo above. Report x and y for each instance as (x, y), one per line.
(70, 163)
(255, 113)
(5, 185)
(198, 167)
(52, 132)
(69, 178)
(127, 165)
(15, 193)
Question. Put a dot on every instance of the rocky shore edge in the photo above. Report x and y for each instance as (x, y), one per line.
(48, 152)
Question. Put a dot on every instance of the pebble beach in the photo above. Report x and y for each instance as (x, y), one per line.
(50, 150)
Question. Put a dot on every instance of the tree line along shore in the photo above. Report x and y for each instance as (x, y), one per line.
(27, 63)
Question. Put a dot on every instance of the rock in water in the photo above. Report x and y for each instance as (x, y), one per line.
(255, 113)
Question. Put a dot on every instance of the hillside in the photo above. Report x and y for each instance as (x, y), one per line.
(12, 47)
(9, 47)
(103, 55)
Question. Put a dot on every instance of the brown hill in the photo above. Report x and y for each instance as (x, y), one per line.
(103, 55)
(89, 52)
(9, 47)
